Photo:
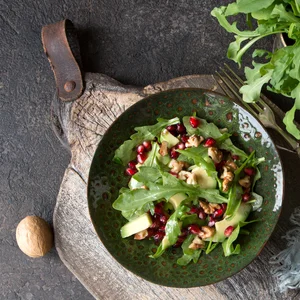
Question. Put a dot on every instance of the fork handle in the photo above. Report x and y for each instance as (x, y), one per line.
(294, 143)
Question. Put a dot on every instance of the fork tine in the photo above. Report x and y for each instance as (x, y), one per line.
(259, 109)
(233, 91)
(234, 74)
(228, 85)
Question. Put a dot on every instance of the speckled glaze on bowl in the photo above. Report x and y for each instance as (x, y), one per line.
(106, 178)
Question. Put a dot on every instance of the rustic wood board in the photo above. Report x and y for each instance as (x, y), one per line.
(80, 126)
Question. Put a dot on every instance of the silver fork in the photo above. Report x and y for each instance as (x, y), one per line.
(230, 81)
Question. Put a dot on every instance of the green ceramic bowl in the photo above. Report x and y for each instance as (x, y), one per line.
(106, 178)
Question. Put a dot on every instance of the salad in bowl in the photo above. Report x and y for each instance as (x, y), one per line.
(185, 188)
(189, 187)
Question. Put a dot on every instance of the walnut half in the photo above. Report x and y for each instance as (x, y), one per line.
(206, 232)
(227, 177)
(209, 208)
(141, 235)
(176, 166)
(163, 150)
(245, 182)
(194, 141)
(197, 243)
(215, 154)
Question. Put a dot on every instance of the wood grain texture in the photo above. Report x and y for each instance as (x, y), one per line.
(82, 124)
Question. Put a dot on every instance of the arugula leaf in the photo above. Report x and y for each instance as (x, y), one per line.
(159, 251)
(234, 199)
(221, 13)
(126, 151)
(242, 224)
(245, 163)
(146, 174)
(288, 120)
(211, 246)
(151, 159)
(205, 129)
(251, 91)
(198, 154)
(249, 6)
(191, 219)
(133, 214)
(282, 67)
(188, 254)
(229, 146)
(227, 245)
(134, 199)
(173, 226)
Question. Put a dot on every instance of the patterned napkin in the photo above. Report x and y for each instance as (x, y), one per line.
(286, 264)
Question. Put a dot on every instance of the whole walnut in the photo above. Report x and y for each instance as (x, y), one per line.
(34, 236)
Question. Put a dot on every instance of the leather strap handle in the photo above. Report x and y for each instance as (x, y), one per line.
(62, 49)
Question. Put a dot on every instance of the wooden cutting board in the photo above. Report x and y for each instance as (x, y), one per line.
(80, 126)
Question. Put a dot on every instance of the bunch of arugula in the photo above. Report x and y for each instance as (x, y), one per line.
(281, 68)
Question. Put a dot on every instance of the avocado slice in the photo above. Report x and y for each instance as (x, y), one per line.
(203, 179)
(240, 216)
(164, 159)
(165, 243)
(134, 226)
(176, 199)
(168, 137)
(134, 184)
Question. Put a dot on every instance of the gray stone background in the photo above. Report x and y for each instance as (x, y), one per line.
(136, 42)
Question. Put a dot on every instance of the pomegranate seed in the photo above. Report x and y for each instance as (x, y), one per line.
(174, 174)
(173, 153)
(151, 232)
(211, 222)
(180, 128)
(162, 228)
(141, 158)
(159, 210)
(194, 229)
(158, 236)
(132, 165)
(246, 197)
(179, 242)
(194, 210)
(235, 157)
(218, 213)
(184, 138)
(140, 149)
(219, 166)
(147, 145)
(184, 232)
(180, 146)
(194, 122)
(228, 231)
(209, 142)
(202, 215)
(155, 224)
(163, 219)
(172, 129)
(224, 206)
(130, 171)
(246, 190)
(249, 171)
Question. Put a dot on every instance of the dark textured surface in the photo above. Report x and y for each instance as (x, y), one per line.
(136, 42)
